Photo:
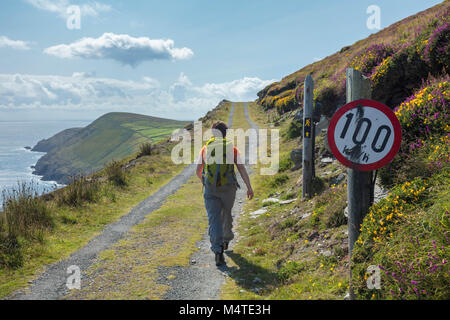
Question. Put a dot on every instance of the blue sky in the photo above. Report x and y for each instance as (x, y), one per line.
(185, 56)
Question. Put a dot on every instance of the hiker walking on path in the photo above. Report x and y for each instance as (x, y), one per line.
(215, 168)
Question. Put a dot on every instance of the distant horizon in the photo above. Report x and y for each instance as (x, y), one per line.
(92, 119)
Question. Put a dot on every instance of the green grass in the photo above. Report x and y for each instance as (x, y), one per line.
(239, 120)
(257, 115)
(413, 246)
(79, 191)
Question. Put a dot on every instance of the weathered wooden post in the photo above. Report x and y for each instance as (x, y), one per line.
(308, 137)
(359, 185)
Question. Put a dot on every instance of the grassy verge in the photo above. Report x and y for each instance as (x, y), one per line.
(257, 114)
(239, 120)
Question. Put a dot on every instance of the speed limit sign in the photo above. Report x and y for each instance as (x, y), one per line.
(364, 135)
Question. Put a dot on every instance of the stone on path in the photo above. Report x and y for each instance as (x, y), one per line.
(271, 200)
(288, 201)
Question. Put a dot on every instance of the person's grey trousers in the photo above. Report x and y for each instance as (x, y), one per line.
(219, 202)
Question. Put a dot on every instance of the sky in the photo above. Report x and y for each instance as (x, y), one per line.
(79, 59)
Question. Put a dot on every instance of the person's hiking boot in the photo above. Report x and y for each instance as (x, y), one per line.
(220, 259)
(225, 245)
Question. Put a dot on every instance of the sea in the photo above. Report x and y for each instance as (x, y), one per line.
(16, 160)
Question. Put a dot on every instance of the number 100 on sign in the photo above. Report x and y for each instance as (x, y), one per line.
(364, 135)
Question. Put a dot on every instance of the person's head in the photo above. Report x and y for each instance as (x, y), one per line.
(220, 126)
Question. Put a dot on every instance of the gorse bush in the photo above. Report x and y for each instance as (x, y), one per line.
(145, 149)
(382, 218)
(116, 174)
(10, 251)
(437, 49)
(285, 164)
(415, 264)
(371, 57)
(406, 67)
(425, 134)
(290, 269)
(295, 129)
(278, 180)
(406, 235)
(79, 191)
(426, 113)
(286, 104)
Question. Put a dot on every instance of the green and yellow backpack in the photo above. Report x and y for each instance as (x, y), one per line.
(218, 174)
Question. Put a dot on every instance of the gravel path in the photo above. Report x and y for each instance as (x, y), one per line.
(51, 284)
(202, 280)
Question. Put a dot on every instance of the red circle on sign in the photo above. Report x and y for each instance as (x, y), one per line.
(389, 114)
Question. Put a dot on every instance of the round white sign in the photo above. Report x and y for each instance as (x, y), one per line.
(364, 135)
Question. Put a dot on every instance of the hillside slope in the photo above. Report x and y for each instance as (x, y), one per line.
(112, 136)
(291, 248)
(57, 141)
(396, 59)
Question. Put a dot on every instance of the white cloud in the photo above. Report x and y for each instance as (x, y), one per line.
(122, 48)
(238, 90)
(84, 92)
(25, 91)
(60, 7)
(5, 42)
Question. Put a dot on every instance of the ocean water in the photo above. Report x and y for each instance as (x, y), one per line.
(16, 161)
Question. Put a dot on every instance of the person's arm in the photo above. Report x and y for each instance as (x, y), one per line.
(246, 178)
(199, 169)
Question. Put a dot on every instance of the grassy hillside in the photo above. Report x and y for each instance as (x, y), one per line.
(57, 141)
(396, 59)
(112, 136)
(406, 235)
(299, 250)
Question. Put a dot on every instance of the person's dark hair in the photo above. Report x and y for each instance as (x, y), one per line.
(221, 126)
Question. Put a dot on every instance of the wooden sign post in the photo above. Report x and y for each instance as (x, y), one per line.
(359, 184)
(364, 135)
(308, 137)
